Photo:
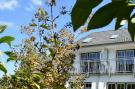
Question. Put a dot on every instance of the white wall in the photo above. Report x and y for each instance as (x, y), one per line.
(77, 63)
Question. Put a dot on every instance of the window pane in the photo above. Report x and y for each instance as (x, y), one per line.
(85, 67)
(83, 56)
(120, 86)
(121, 54)
(98, 55)
(94, 56)
(131, 86)
(111, 86)
(87, 86)
(130, 54)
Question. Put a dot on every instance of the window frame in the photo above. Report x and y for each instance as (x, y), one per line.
(125, 54)
(87, 83)
(125, 60)
(116, 84)
(111, 83)
(90, 56)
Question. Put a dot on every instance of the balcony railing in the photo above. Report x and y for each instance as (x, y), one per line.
(93, 66)
(126, 65)
(110, 66)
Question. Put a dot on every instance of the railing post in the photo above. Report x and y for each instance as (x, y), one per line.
(88, 66)
(100, 68)
(109, 68)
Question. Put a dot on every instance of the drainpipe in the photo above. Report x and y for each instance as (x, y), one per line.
(109, 63)
(109, 68)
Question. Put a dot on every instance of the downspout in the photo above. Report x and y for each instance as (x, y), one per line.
(109, 62)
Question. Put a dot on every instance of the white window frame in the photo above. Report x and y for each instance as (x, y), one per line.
(88, 57)
(124, 59)
(116, 84)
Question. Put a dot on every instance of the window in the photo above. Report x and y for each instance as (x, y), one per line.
(126, 54)
(84, 85)
(87, 86)
(114, 36)
(87, 40)
(131, 86)
(111, 86)
(125, 60)
(90, 62)
(121, 86)
(90, 56)
(84, 56)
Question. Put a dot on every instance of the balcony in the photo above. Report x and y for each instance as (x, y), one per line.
(110, 66)
(88, 66)
(126, 65)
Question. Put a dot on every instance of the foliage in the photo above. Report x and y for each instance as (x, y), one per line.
(120, 10)
(5, 39)
(78, 81)
(46, 56)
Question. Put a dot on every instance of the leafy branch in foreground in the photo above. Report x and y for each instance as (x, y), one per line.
(7, 40)
(120, 10)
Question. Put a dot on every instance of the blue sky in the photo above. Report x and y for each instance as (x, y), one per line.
(15, 13)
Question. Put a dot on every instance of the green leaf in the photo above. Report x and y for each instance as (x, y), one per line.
(44, 26)
(11, 56)
(2, 68)
(11, 59)
(7, 39)
(2, 28)
(131, 27)
(35, 86)
(44, 46)
(52, 53)
(14, 77)
(81, 12)
(122, 14)
(41, 11)
(8, 53)
(104, 15)
(33, 24)
(37, 77)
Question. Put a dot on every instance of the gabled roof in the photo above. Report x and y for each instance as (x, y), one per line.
(106, 37)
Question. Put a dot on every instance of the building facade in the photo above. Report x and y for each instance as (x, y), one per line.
(108, 60)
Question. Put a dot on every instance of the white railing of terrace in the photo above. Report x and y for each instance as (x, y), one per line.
(109, 66)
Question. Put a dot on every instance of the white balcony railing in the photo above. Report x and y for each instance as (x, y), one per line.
(88, 66)
(126, 65)
(109, 66)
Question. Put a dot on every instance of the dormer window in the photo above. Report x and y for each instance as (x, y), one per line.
(87, 40)
(114, 36)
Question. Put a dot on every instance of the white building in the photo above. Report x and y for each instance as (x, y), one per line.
(108, 60)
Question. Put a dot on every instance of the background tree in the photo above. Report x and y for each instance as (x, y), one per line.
(120, 10)
(46, 56)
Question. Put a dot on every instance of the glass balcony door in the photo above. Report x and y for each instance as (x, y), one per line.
(125, 61)
(90, 62)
